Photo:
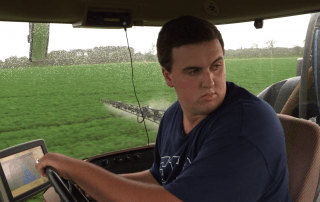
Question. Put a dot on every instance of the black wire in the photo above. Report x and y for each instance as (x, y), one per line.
(125, 29)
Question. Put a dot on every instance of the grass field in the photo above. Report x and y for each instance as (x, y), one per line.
(61, 104)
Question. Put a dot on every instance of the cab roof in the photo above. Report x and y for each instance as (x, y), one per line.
(155, 12)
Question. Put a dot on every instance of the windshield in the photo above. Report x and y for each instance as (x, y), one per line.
(59, 99)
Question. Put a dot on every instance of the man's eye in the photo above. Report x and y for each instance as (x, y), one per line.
(193, 72)
(216, 66)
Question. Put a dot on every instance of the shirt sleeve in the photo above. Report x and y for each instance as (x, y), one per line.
(227, 169)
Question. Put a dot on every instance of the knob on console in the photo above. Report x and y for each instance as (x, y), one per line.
(128, 158)
(118, 160)
(105, 163)
(137, 156)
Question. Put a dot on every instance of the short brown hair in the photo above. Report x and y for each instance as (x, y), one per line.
(182, 31)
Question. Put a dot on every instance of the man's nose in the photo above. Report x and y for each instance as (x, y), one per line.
(207, 79)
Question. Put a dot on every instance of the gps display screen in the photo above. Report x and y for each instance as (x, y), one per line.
(20, 171)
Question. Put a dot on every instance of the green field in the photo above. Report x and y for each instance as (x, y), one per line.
(61, 104)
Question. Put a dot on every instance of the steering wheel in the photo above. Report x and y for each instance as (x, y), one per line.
(71, 194)
(307, 62)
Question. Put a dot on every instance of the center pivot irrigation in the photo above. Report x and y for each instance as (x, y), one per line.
(154, 115)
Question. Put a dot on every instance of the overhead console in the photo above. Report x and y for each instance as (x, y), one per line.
(107, 16)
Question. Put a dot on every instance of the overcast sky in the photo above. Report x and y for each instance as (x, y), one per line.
(286, 32)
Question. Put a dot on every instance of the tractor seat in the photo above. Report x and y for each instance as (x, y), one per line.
(303, 157)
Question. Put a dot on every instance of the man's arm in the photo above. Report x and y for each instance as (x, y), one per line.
(144, 176)
(101, 184)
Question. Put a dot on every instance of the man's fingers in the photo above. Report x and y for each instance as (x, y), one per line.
(41, 171)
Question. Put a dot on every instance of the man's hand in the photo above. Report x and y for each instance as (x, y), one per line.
(59, 162)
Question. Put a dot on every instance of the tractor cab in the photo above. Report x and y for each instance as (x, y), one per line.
(103, 103)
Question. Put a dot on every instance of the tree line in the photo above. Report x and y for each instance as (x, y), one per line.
(277, 52)
(119, 54)
(96, 55)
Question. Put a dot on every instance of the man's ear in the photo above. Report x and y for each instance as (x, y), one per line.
(167, 77)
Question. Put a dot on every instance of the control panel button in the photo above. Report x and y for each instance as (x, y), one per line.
(128, 158)
(118, 160)
(137, 156)
(105, 163)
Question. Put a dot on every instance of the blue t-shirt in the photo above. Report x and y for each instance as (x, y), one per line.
(237, 153)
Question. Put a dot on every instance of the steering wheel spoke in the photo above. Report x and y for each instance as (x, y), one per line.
(71, 194)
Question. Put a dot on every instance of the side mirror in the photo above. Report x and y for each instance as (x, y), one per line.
(39, 40)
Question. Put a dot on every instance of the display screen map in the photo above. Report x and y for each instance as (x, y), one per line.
(20, 171)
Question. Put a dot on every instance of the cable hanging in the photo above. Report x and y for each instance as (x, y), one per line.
(125, 29)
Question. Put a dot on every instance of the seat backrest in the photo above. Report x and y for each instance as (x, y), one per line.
(303, 156)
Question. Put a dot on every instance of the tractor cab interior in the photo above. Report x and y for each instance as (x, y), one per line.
(295, 98)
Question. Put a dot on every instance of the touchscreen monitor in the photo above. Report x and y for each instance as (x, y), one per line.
(19, 177)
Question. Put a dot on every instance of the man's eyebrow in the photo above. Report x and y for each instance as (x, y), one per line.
(196, 67)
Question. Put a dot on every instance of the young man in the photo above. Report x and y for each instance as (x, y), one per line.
(218, 142)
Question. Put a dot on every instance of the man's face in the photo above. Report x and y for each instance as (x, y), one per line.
(198, 69)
